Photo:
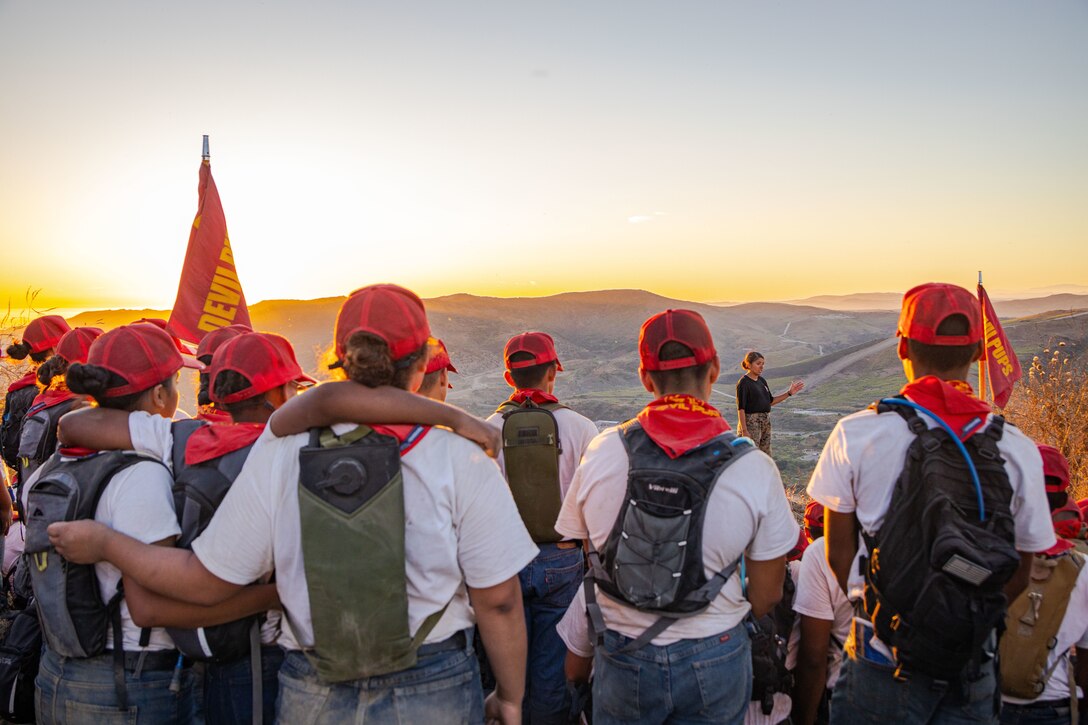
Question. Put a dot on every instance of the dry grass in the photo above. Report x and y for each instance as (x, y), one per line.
(1051, 406)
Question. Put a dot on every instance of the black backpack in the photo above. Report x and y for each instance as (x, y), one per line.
(16, 404)
(653, 557)
(20, 655)
(38, 438)
(936, 570)
(770, 635)
(198, 491)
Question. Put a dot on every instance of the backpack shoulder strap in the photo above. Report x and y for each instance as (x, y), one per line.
(182, 431)
(910, 415)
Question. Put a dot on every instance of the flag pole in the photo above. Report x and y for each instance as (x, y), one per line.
(206, 156)
(983, 383)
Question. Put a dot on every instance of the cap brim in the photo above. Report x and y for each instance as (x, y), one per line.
(305, 380)
(192, 363)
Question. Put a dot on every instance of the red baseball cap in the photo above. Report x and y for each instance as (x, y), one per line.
(162, 325)
(142, 354)
(1054, 465)
(814, 515)
(267, 360)
(683, 326)
(439, 357)
(926, 306)
(538, 344)
(45, 332)
(211, 342)
(387, 311)
(76, 344)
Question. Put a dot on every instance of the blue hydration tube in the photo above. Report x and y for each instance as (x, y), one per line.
(955, 439)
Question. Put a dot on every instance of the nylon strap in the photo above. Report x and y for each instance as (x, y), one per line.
(114, 609)
(256, 672)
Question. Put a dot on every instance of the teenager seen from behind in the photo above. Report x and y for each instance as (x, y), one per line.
(379, 616)
(893, 475)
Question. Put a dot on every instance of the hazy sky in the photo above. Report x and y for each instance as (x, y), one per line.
(703, 150)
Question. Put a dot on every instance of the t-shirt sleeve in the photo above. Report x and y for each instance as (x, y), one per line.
(742, 395)
(777, 530)
(237, 545)
(812, 597)
(495, 420)
(573, 628)
(142, 505)
(832, 482)
(1033, 527)
(492, 543)
(152, 434)
(570, 522)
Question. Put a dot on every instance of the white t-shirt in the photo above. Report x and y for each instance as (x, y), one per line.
(1073, 632)
(747, 513)
(461, 527)
(575, 433)
(154, 434)
(865, 454)
(574, 628)
(138, 502)
(819, 596)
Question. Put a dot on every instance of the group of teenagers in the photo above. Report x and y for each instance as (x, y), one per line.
(363, 551)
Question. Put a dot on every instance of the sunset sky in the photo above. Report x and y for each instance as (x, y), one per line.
(701, 150)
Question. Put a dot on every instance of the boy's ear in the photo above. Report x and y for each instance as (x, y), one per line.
(979, 352)
(644, 376)
(509, 379)
(903, 348)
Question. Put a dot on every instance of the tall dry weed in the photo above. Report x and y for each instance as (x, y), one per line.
(1051, 406)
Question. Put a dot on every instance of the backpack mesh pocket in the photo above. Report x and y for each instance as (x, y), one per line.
(650, 557)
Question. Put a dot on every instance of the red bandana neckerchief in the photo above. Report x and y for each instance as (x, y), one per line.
(401, 433)
(679, 423)
(537, 396)
(24, 382)
(212, 441)
(53, 396)
(213, 414)
(953, 400)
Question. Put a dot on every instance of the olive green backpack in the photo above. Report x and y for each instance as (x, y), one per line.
(351, 510)
(530, 451)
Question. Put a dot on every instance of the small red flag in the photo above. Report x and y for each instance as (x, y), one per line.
(1002, 367)
(209, 293)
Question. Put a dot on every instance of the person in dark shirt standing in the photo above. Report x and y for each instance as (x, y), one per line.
(754, 401)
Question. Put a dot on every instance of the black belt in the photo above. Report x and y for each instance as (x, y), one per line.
(458, 641)
(153, 661)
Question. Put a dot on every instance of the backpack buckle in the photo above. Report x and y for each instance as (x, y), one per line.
(896, 621)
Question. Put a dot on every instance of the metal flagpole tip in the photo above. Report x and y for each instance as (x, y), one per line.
(204, 154)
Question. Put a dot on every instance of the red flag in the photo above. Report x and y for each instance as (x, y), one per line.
(1002, 367)
(209, 293)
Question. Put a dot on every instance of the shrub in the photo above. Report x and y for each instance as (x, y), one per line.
(1051, 406)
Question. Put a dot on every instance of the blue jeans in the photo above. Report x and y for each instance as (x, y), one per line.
(691, 681)
(441, 688)
(548, 585)
(228, 689)
(867, 692)
(76, 691)
(1054, 713)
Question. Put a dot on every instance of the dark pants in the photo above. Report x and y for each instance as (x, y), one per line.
(548, 585)
(228, 689)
